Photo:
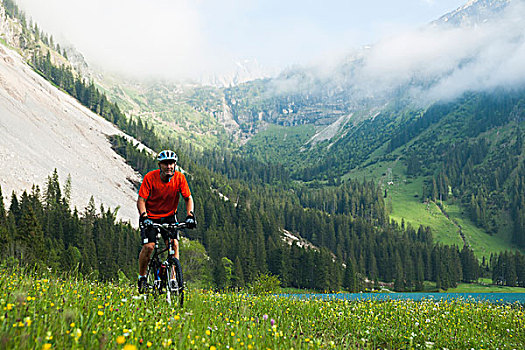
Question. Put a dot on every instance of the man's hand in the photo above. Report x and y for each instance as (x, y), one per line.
(190, 221)
(144, 221)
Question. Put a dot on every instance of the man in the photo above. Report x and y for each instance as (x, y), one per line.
(157, 203)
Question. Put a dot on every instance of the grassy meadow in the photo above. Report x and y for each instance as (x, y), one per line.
(43, 312)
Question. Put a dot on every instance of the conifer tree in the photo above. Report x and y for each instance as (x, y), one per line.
(30, 238)
(350, 279)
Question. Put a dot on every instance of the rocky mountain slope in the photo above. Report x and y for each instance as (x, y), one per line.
(42, 129)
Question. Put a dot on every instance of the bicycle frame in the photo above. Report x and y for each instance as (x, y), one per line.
(160, 272)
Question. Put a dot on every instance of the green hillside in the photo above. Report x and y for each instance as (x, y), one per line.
(404, 203)
(469, 143)
(175, 110)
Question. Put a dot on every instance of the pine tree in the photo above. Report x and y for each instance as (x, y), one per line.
(350, 279)
(5, 237)
(14, 208)
(399, 281)
(469, 265)
(3, 215)
(30, 238)
(238, 276)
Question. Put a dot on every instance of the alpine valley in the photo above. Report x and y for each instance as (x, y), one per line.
(401, 163)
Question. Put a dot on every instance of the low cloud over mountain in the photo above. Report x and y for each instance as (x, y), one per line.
(439, 61)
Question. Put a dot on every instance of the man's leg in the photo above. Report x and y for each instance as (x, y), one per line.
(144, 256)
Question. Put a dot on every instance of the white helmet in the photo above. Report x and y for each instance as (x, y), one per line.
(167, 155)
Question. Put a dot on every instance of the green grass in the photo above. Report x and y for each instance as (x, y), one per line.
(480, 288)
(405, 205)
(482, 243)
(404, 202)
(279, 144)
(69, 313)
(483, 286)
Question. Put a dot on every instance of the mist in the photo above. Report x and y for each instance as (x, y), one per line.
(442, 63)
(434, 62)
(179, 39)
(155, 39)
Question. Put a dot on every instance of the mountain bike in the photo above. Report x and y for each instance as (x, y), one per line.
(161, 276)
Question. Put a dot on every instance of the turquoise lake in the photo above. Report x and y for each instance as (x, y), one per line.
(510, 298)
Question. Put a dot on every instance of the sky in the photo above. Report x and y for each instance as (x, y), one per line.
(181, 39)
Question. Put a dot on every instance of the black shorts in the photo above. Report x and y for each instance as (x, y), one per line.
(149, 234)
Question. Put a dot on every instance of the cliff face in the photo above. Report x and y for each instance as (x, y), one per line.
(9, 29)
(42, 129)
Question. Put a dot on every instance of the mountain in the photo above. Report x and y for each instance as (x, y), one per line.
(365, 115)
(442, 127)
(473, 12)
(43, 129)
(243, 71)
(436, 62)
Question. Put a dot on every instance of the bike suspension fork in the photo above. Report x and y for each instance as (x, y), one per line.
(178, 270)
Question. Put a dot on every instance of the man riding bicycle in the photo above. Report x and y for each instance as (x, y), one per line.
(157, 203)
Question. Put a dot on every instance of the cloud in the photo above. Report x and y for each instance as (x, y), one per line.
(182, 38)
(438, 62)
(432, 62)
(161, 38)
(194, 38)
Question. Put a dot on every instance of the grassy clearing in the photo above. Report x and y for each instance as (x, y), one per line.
(481, 288)
(404, 202)
(482, 243)
(404, 199)
(484, 286)
(68, 313)
(279, 143)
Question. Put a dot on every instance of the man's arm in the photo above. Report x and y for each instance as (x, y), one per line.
(189, 205)
(141, 205)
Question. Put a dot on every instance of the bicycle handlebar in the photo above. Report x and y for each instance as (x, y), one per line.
(168, 227)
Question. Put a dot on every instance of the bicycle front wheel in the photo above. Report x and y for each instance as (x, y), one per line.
(176, 290)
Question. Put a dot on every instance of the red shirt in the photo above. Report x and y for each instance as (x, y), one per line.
(162, 198)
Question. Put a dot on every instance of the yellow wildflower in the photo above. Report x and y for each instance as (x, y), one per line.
(121, 339)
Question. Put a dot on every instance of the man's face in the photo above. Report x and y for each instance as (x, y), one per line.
(167, 167)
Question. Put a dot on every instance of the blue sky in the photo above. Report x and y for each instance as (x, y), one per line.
(280, 33)
(178, 38)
